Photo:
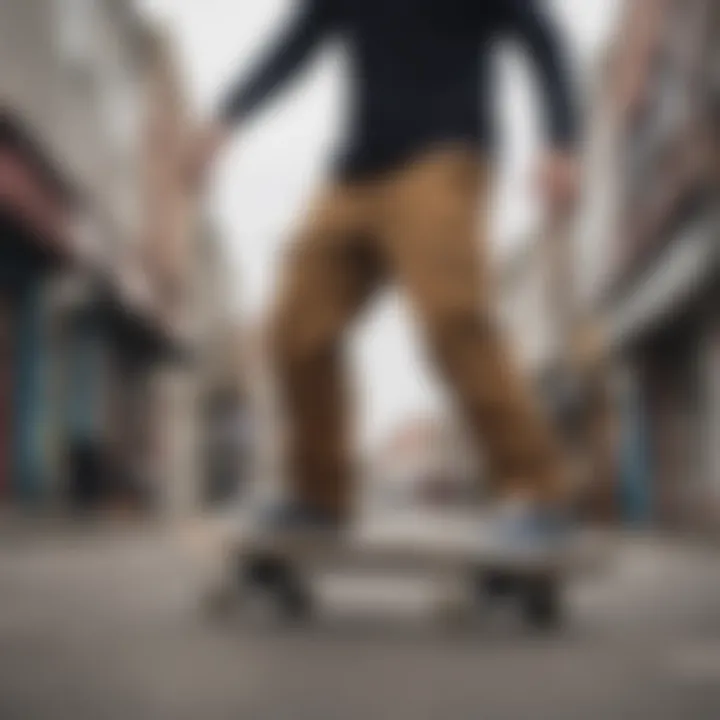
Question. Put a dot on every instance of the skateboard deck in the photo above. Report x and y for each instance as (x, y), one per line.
(457, 551)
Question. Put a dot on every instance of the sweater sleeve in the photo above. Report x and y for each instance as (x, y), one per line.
(528, 21)
(287, 54)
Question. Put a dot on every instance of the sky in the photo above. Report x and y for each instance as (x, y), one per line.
(278, 161)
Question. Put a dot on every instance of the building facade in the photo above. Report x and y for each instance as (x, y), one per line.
(527, 306)
(228, 419)
(38, 201)
(660, 299)
(96, 252)
(540, 313)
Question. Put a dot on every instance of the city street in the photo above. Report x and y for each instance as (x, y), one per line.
(106, 624)
(531, 196)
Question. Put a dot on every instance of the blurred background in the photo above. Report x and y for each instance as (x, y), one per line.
(131, 312)
(131, 336)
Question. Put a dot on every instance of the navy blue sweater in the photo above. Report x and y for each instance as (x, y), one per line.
(421, 72)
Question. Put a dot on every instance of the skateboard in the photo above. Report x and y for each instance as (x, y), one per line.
(281, 571)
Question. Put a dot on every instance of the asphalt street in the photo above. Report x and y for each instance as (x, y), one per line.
(108, 624)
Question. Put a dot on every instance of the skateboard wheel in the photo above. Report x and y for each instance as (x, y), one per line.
(542, 602)
(281, 585)
(495, 585)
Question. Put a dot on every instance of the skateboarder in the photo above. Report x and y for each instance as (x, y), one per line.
(409, 204)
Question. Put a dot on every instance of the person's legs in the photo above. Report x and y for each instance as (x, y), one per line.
(434, 247)
(329, 272)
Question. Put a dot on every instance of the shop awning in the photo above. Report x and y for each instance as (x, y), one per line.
(138, 334)
(686, 267)
(36, 203)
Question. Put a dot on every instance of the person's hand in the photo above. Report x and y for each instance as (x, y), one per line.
(558, 181)
(203, 152)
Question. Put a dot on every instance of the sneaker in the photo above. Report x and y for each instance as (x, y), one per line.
(524, 531)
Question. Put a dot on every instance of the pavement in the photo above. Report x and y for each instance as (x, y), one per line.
(107, 623)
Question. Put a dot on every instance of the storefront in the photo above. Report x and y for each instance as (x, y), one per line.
(6, 384)
(663, 332)
(35, 210)
(113, 404)
(225, 438)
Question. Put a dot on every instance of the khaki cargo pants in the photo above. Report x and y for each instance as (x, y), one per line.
(422, 227)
